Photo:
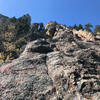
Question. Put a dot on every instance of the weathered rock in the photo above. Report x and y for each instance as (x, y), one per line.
(97, 36)
(61, 68)
(50, 28)
(84, 35)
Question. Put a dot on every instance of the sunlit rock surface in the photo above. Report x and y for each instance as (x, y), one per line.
(60, 68)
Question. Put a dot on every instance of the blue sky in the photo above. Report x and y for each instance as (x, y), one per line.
(67, 12)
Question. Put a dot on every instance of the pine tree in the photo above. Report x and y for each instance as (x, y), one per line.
(80, 27)
(97, 28)
(88, 27)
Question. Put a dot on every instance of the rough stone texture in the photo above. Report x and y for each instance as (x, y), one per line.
(97, 36)
(61, 68)
(50, 28)
(86, 36)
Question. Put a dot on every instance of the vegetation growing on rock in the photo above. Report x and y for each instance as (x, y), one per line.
(17, 32)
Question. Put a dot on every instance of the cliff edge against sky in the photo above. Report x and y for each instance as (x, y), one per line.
(48, 63)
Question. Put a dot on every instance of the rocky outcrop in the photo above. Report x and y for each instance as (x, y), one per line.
(61, 68)
(84, 35)
(97, 36)
(52, 28)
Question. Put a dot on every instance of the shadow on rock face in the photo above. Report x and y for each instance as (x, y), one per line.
(88, 56)
(41, 49)
(40, 46)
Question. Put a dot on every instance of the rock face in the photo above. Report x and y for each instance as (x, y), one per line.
(97, 36)
(61, 68)
(87, 36)
(50, 28)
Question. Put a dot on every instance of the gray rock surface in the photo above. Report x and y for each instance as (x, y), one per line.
(61, 68)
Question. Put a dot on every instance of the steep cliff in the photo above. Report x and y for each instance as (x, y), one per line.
(58, 66)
